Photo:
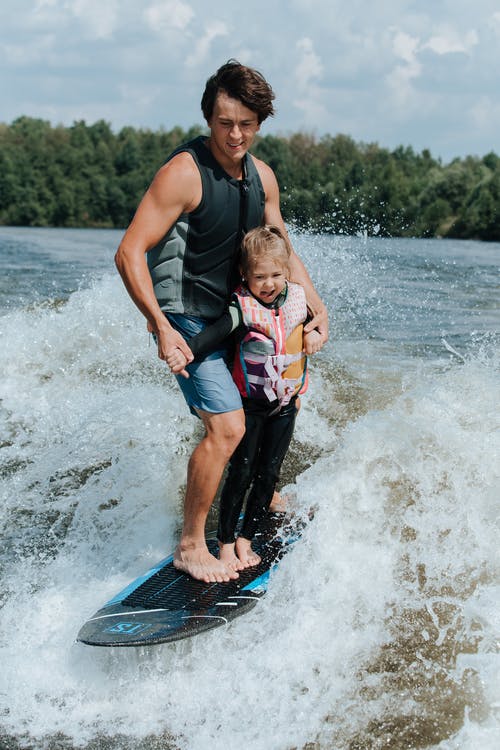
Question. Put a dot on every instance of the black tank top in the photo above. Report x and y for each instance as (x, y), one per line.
(195, 266)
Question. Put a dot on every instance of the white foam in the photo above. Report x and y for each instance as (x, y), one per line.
(399, 562)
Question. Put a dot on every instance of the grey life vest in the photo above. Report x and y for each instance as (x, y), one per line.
(194, 268)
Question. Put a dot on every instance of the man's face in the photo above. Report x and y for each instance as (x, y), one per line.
(233, 129)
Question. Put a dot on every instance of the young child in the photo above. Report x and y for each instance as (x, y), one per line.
(268, 313)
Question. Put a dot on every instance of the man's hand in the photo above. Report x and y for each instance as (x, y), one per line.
(177, 362)
(312, 342)
(319, 323)
(174, 351)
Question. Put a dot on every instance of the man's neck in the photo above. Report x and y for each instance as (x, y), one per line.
(233, 169)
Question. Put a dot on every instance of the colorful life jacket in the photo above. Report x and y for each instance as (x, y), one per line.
(270, 363)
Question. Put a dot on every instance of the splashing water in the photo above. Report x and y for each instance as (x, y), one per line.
(379, 629)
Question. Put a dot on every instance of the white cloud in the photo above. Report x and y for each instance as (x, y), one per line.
(45, 50)
(399, 79)
(405, 47)
(396, 72)
(493, 23)
(98, 17)
(485, 114)
(141, 96)
(450, 41)
(408, 50)
(308, 70)
(19, 56)
(166, 17)
(202, 48)
(309, 66)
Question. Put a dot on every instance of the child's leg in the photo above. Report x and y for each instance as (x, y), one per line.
(279, 502)
(276, 437)
(240, 472)
(245, 554)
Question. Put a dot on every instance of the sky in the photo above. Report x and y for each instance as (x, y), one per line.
(422, 73)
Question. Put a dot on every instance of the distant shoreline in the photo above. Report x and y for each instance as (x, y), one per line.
(86, 176)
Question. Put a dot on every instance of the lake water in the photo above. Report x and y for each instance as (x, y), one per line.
(379, 630)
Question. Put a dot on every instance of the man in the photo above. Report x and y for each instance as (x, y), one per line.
(178, 260)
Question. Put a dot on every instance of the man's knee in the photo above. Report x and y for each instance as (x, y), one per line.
(225, 431)
(232, 433)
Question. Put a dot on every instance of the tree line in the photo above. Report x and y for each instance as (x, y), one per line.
(88, 176)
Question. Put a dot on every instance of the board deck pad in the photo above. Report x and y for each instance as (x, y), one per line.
(166, 604)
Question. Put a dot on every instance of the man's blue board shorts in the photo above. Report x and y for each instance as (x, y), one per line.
(210, 386)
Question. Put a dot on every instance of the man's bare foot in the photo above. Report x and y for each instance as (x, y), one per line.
(278, 503)
(247, 556)
(228, 557)
(201, 565)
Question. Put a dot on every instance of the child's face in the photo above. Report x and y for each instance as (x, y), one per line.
(266, 279)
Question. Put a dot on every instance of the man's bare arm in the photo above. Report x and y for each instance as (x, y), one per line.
(176, 189)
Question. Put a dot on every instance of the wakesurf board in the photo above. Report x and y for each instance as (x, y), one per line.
(165, 604)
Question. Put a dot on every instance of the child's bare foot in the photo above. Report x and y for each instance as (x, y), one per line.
(248, 558)
(278, 503)
(228, 558)
(201, 565)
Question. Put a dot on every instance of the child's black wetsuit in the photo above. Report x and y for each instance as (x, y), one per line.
(257, 461)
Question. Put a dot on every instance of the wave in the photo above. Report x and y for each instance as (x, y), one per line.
(378, 629)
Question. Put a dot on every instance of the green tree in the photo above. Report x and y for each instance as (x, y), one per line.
(86, 175)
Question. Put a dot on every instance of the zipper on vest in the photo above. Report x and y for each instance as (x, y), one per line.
(244, 189)
(280, 333)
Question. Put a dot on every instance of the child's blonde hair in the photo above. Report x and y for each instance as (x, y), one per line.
(264, 242)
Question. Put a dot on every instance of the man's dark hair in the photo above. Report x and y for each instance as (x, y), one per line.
(239, 82)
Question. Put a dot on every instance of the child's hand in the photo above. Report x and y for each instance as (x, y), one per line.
(312, 342)
(177, 361)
